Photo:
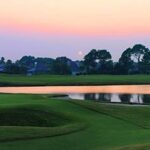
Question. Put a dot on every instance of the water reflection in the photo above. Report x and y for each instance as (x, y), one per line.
(104, 97)
(126, 93)
(114, 98)
(125, 98)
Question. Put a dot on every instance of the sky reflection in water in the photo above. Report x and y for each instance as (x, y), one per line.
(125, 93)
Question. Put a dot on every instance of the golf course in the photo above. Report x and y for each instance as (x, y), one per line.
(75, 75)
(47, 121)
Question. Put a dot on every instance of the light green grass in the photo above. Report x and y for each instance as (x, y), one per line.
(18, 80)
(95, 126)
(137, 147)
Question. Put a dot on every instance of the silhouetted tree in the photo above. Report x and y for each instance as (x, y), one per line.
(28, 61)
(2, 61)
(98, 61)
(145, 63)
(125, 62)
(61, 66)
(90, 61)
(105, 64)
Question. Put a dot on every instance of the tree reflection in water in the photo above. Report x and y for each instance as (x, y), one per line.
(114, 98)
(98, 97)
(125, 98)
(146, 99)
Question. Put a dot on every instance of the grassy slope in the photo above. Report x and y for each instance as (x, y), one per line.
(104, 130)
(8, 80)
(31, 121)
(139, 116)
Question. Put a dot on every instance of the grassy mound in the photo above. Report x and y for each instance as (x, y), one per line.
(34, 121)
(30, 116)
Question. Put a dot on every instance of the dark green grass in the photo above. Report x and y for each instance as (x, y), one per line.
(95, 126)
(20, 80)
(31, 116)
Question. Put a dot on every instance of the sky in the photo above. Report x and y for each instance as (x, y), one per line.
(52, 28)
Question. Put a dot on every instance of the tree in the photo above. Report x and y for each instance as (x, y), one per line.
(125, 62)
(8, 66)
(2, 61)
(44, 65)
(90, 61)
(61, 66)
(132, 60)
(145, 63)
(103, 56)
(105, 64)
(98, 61)
(14, 68)
(137, 54)
(28, 61)
(138, 51)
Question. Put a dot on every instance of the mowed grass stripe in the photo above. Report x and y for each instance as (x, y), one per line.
(134, 115)
(35, 80)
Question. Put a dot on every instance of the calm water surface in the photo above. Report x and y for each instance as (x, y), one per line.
(123, 94)
(114, 98)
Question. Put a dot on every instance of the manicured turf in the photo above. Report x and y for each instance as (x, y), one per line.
(137, 147)
(18, 80)
(82, 125)
(30, 116)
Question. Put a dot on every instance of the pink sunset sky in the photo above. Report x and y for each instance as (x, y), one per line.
(50, 28)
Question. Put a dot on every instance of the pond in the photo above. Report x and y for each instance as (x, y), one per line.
(136, 94)
(114, 98)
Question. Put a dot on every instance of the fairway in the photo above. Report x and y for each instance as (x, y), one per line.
(75, 75)
(43, 80)
(71, 125)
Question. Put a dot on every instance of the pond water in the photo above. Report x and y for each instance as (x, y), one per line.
(139, 94)
(114, 98)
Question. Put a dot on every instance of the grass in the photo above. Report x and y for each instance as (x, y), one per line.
(22, 80)
(125, 113)
(137, 147)
(30, 116)
(82, 125)
(34, 121)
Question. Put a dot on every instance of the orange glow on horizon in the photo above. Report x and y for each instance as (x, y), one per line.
(86, 17)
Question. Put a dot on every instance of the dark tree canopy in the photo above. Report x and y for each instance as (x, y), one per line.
(103, 55)
(131, 60)
(98, 61)
(61, 66)
(90, 61)
(138, 52)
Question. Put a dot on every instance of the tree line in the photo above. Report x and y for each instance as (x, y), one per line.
(135, 60)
